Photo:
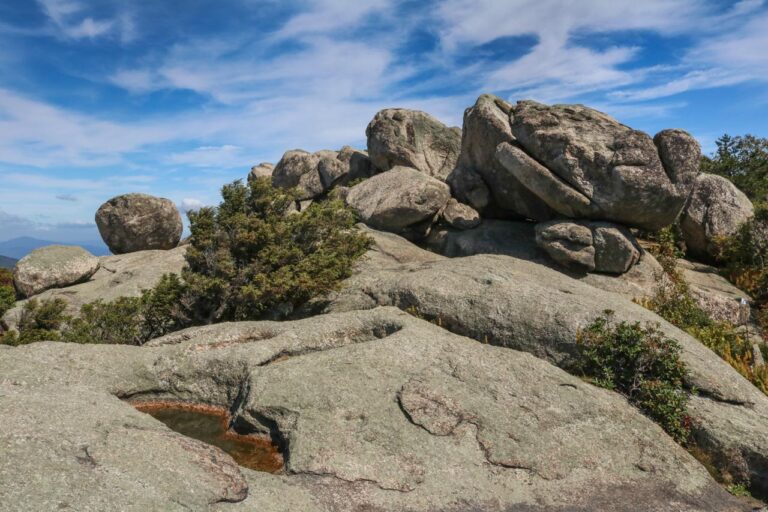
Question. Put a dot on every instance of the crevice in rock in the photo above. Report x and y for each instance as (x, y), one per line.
(703, 393)
(403, 489)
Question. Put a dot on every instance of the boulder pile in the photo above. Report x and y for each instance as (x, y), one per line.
(591, 182)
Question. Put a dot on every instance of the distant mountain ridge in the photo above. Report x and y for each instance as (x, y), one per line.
(19, 247)
(6, 262)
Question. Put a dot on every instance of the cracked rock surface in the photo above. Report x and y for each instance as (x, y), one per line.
(525, 306)
(376, 410)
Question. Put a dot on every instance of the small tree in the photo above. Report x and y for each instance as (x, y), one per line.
(254, 257)
(744, 161)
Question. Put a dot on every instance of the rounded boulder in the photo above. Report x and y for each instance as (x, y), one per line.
(139, 222)
(54, 266)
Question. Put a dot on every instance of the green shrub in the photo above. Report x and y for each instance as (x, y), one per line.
(640, 363)
(744, 161)
(251, 258)
(7, 291)
(39, 321)
(673, 302)
(745, 255)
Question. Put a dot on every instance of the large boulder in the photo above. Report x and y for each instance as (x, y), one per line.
(124, 275)
(313, 174)
(585, 164)
(680, 154)
(401, 137)
(715, 209)
(398, 199)
(479, 179)
(54, 266)
(589, 246)
(525, 306)
(373, 411)
(139, 222)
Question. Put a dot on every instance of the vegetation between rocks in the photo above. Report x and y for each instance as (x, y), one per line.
(250, 258)
(640, 363)
(673, 302)
(7, 292)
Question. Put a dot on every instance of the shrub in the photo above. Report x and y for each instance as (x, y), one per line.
(640, 363)
(252, 258)
(674, 302)
(745, 255)
(7, 291)
(249, 258)
(744, 161)
(40, 321)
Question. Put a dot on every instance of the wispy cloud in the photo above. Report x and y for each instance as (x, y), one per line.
(66, 197)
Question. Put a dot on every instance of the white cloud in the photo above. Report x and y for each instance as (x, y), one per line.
(67, 18)
(189, 204)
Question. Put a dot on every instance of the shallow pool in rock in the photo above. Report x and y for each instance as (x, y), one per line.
(211, 425)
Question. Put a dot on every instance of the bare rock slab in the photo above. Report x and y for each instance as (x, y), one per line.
(376, 410)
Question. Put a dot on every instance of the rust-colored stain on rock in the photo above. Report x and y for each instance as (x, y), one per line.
(210, 424)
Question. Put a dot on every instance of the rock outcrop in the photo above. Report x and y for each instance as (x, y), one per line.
(479, 178)
(139, 222)
(715, 209)
(314, 174)
(401, 200)
(583, 163)
(54, 266)
(374, 411)
(401, 137)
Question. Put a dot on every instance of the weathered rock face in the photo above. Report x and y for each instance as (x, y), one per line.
(54, 266)
(568, 243)
(400, 137)
(588, 246)
(263, 170)
(479, 177)
(316, 173)
(583, 163)
(139, 222)
(398, 199)
(459, 215)
(713, 293)
(376, 411)
(124, 275)
(680, 155)
(715, 209)
(517, 239)
(525, 306)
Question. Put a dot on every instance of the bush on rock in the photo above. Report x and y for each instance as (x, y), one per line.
(251, 257)
(641, 364)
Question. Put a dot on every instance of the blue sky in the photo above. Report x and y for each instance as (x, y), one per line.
(177, 97)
